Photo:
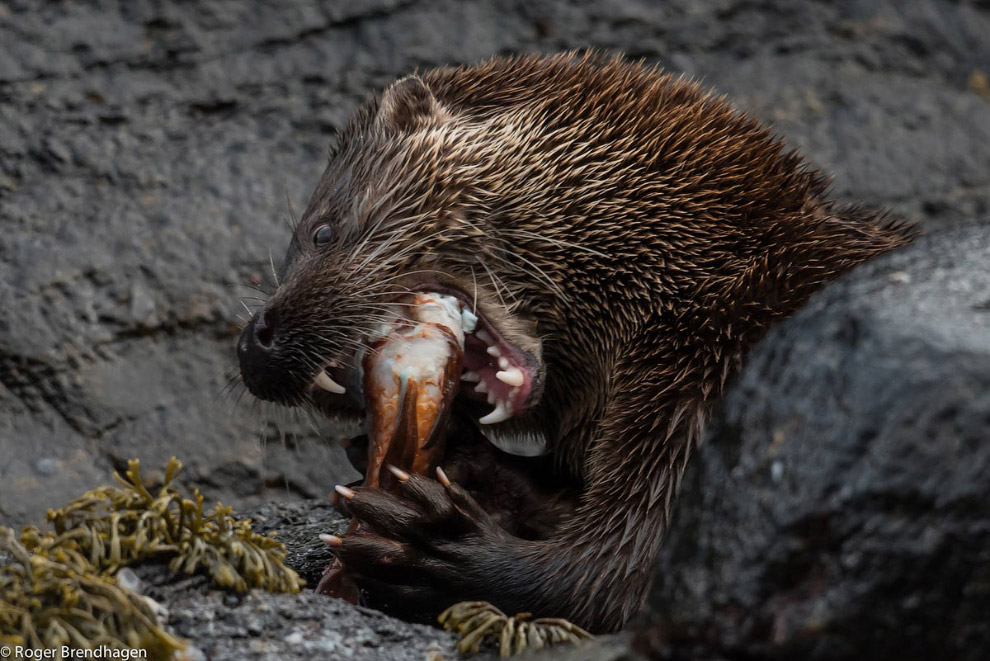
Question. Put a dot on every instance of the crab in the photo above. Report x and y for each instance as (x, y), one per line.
(411, 372)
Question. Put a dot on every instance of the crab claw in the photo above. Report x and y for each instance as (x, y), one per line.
(409, 407)
(411, 376)
(336, 581)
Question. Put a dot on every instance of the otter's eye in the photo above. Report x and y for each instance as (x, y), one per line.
(322, 236)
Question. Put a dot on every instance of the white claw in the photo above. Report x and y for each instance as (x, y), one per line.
(498, 415)
(493, 351)
(482, 387)
(471, 377)
(512, 376)
(324, 381)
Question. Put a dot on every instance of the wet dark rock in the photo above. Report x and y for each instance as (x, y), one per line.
(298, 525)
(841, 508)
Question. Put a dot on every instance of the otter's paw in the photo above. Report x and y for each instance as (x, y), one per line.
(421, 549)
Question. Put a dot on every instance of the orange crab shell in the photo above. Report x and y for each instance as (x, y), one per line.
(408, 411)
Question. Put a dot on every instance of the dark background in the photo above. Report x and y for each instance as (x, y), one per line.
(151, 154)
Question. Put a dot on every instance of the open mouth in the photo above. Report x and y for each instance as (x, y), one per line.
(436, 348)
(494, 370)
(498, 372)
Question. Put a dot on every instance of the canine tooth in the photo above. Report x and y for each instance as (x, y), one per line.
(324, 381)
(484, 336)
(503, 363)
(493, 351)
(491, 397)
(482, 387)
(512, 376)
(471, 377)
(498, 415)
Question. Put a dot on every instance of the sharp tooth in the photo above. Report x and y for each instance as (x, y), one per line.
(491, 398)
(493, 351)
(484, 336)
(324, 381)
(512, 376)
(498, 415)
(503, 363)
(482, 387)
(471, 377)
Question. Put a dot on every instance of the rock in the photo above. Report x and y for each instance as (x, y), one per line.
(841, 508)
(304, 626)
(602, 648)
(298, 525)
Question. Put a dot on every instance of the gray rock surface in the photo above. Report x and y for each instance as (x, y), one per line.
(151, 153)
(603, 648)
(308, 626)
(841, 508)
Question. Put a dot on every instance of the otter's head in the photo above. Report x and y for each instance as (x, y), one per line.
(401, 208)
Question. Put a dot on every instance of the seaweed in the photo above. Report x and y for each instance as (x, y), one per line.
(479, 624)
(59, 586)
(52, 597)
(118, 526)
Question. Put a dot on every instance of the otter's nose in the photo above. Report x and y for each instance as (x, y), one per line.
(264, 329)
(257, 340)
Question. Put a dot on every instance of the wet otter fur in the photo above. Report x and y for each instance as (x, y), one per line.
(625, 235)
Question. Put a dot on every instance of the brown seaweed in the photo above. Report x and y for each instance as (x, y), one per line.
(481, 624)
(59, 587)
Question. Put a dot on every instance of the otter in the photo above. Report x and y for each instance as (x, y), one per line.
(623, 238)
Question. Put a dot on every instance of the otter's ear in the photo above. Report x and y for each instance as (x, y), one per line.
(407, 104)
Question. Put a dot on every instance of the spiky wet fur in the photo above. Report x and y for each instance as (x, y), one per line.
(633, 228)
